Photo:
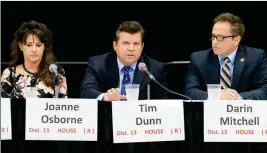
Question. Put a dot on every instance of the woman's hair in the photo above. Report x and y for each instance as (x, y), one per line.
(45, 36)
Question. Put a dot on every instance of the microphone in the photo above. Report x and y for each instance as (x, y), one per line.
(58, 78)
(142, 67)
(53, 69)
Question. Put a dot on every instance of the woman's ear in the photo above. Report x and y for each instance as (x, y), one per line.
(20, 46)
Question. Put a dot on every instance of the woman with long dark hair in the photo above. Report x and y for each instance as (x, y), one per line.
(31, 56)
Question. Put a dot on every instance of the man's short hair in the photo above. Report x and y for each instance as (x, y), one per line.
(131, 27)
(238, 28)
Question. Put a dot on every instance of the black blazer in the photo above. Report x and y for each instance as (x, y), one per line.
(102, 73)
(249, 74)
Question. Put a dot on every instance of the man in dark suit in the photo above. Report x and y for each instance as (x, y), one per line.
(240, 70)
(107, 74)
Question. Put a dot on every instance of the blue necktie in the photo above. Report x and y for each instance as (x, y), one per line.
(226, 74)
(126, 78)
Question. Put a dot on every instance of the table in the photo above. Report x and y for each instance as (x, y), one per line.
(193, 112)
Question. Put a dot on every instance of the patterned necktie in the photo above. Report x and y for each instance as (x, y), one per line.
(126, 78)
(226, 74)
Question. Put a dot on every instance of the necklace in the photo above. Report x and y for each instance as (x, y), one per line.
(24, 67)
(34, 79)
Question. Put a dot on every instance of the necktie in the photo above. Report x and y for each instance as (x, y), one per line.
(126, 78)
(225, 74)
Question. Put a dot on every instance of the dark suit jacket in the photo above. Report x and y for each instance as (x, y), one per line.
(102, 73)
(249, 76)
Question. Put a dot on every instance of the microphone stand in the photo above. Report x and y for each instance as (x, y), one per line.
(148, 88)
(57, 88)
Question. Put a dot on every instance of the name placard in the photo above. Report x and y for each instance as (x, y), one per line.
(235, 121)
(148, 121)
(61, 119)
(6, 132)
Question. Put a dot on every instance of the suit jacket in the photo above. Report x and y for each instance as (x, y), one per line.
(102, 73)
(249, 74)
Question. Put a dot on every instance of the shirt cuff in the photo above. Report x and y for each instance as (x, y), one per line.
(239, 97)
(100, 97)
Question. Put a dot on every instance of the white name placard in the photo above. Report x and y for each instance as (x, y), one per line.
(235, 121)
(6, 132)
(148, 121)
(61, 119)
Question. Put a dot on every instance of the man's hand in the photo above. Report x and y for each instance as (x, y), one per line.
(113, 95)
(229, 94)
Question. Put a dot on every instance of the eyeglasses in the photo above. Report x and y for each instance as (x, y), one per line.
(220, 38)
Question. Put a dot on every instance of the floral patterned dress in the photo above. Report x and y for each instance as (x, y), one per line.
(15, 85)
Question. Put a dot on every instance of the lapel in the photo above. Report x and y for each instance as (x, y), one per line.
(214, 68)
(139, 76)
(240, 61)
(112, 71)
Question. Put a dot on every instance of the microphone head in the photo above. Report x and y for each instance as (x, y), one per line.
(52, 67)
(142, 66)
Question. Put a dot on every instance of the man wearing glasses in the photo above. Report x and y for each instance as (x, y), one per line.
(240, 70)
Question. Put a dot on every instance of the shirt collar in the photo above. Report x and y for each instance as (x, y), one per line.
(230, 56)
(121, 65)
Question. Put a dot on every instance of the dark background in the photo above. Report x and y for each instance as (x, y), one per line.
(174, 30)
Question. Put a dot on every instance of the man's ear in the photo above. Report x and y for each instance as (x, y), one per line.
(115, 45)
(237, 40)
